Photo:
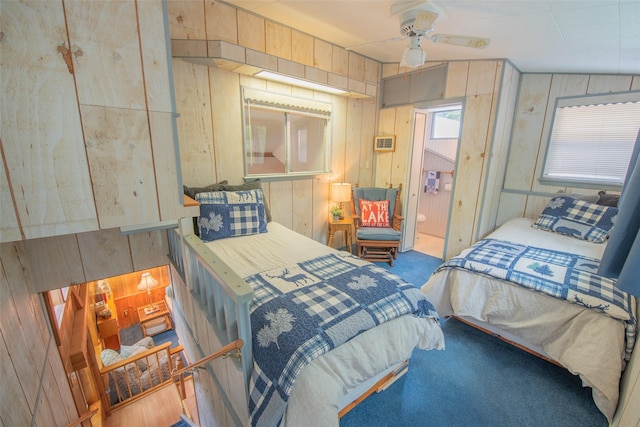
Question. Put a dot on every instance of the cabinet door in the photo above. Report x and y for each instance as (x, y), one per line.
(40, 129)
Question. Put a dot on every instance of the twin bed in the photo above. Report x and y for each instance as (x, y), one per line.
(502, 284)
(336, 360)
(326, 327)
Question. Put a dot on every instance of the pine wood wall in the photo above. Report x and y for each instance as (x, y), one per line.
(523, 195)
(209, 103)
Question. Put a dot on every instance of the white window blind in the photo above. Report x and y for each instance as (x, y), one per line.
(592, 143)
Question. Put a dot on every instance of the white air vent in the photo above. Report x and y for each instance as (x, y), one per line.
(385, 143)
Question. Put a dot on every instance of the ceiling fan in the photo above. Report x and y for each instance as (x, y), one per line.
(416, 22)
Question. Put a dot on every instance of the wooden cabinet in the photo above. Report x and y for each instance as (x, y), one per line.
(109, 332)
(117, 167)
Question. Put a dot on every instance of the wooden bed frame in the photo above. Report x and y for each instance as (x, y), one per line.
(212, 310)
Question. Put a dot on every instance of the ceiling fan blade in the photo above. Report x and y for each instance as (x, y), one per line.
(424, 21)
(394, 39)
(475, 42)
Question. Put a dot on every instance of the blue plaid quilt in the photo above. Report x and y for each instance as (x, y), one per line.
(304, 310)
(562, 275)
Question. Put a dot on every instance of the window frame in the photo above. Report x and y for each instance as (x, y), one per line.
(288, 106)
(434, 114)
(585, 100)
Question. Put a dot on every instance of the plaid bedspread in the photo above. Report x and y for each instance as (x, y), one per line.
(304, 310)
(562, 275)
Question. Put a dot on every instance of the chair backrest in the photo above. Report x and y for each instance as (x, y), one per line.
(375, 193)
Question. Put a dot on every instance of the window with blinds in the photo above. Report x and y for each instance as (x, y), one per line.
(285, 136)
(592, 140)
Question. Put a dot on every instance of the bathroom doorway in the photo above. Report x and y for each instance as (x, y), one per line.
(440, 131)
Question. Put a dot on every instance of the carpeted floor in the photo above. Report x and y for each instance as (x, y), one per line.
(477, 380)
(132, 334)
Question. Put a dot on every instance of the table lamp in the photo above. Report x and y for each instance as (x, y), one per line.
(146, 283)
(341, 192)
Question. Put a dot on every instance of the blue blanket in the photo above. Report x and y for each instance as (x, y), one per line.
(304, 310)
(562, 275)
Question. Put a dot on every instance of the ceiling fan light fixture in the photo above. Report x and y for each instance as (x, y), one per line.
(413, 56)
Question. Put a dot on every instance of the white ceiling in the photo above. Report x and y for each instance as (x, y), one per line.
(572, 36)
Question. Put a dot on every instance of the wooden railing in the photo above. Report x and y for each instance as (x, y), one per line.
(233, 349)
(82, 419)
(138, 375)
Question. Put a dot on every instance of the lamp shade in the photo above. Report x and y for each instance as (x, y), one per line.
(147, 282)
(413, 55)
(341, 191)
(102, 287)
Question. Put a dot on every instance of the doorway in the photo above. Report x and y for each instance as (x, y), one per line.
(436, 134)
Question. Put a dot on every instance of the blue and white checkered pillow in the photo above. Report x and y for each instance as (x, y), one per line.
(231, 213)
(577, 218)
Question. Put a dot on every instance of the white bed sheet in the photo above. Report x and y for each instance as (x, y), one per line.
(316, 396)
(587, 343)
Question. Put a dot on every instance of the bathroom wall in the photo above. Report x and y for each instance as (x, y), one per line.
(435, 206)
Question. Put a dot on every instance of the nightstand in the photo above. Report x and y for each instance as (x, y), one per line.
(109, 332)
(345, 225)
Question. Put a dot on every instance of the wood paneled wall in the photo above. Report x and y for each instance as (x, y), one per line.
(523, 195)
(210, 106)
(487, 89)
(34, 384)
(87, 125)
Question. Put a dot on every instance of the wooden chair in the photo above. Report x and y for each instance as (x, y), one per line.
(377, 244)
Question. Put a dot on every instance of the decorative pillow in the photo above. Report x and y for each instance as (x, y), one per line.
(231, 213)
(252, 185)
(374, 213)
(605, 199)
(577, 218)
(109, 357)
(591, 198)
(192, 191)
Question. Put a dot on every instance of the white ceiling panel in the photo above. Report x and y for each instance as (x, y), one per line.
(573, 36)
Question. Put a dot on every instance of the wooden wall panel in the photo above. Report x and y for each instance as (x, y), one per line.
(352, 140)
(609, 83)
(340, 61)
(529, 117)
(49, 175)
(221, 22)
(106, 53)
(386, 126)
(469, 167)
(302, 48)
(457, 72)
(119, 153)
(302, 209)
(195, 129)
(111, 254)
(367, 133)
(322, 55)
(500, 149)
(149, 249)
(187, 19)
(30, 366)
(277, 40)
(9, 229)
(165, 162)
(281, 202)
(401, 156)
(320, 208)
(155, 58)
(226, 106)
(251, 31)
(56, 262)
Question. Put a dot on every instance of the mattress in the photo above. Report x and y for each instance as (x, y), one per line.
(584, 341)
(319, 389)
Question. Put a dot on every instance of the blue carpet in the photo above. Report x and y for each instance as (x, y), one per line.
(414, 267)
(133, 334)
(477, 381)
